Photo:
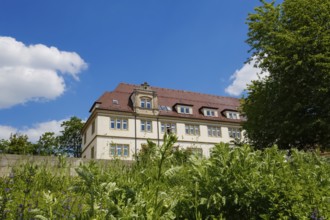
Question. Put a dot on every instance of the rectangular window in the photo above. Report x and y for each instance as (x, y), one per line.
(125, 124)
(214, 131)
(118, 123)
(85, 138)
(234, 132)
(192, 129)
(233, 115)
(146, 125)
(182, 109)
(168, 127)
(92, 153)
(185, 110)
(145, 103)
(210, 113)
(125, 151)
(148, 104)
(112, 123)
(119, 150)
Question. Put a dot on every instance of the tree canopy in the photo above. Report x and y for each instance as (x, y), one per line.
(68, 142)
(290, 107)
(70, 139)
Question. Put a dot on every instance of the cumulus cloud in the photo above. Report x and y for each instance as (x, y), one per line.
(33, 132)
(242, 77)
(34, 72)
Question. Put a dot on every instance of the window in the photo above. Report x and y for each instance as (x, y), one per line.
(165, 108)
(234, 132)
(185, 110)
(85, 138)
(233, 115)
(119, 123)
(119, 150)
(146, 125)
(145, 103)
(92, 153)
(210, 113)
(214, 131)
(168, 127)
(192, 129)
(93, 127)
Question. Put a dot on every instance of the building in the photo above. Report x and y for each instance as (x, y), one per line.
(122, 121)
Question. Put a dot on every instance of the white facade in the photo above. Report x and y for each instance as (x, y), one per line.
(112, 134)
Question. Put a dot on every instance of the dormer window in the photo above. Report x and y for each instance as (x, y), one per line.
(233, 115)
(209, 112)
(185, 110)
(145, 103)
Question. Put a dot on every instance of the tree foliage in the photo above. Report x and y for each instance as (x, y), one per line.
(68, 142)
(290, 107)
(70, 139)
(17, 144)
(47, 144)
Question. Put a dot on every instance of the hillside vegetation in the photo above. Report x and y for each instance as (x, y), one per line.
(234, 183)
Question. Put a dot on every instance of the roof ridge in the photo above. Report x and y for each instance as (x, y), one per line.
(199, 93)
(180, 90)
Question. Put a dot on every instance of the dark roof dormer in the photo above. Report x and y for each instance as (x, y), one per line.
(231, 113)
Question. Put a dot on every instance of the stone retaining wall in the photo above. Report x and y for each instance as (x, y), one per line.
(8, 161)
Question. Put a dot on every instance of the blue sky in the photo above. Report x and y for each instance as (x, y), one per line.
(58, 57)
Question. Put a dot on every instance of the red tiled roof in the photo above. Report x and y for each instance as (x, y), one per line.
(170, 97)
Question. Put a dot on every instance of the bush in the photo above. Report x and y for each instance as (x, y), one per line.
(234, 183)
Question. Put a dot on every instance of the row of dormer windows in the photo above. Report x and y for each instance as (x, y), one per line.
(146, 103)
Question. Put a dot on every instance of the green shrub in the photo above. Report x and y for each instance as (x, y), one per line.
(234, 183)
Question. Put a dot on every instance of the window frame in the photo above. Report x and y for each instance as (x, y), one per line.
(115, 121)
(115, 149)
(145, 103)
(146, 126)
(214, 131)
(183, 109)
(233, 115)
(234, 132)
(168, 126)
(192, 129)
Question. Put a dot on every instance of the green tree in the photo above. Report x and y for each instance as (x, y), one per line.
(17, 144)
(47, 144)
(290, 107)
(70, 139)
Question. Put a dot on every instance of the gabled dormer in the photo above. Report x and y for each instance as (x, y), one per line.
(145, 100)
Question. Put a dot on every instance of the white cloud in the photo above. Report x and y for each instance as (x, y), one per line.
(242, 77)
(33, 132)
(5, 131)
(34, 72)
